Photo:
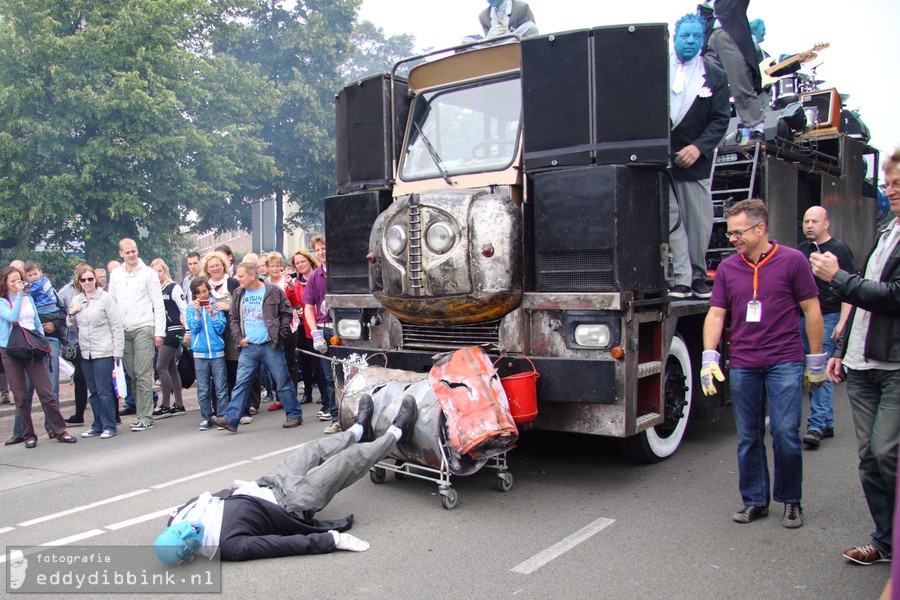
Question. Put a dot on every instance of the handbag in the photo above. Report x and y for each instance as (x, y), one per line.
(25, 344)
(69, 352)
(118, 375)
(186, 368)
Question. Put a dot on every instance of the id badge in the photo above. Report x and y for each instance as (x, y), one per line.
(754, 311)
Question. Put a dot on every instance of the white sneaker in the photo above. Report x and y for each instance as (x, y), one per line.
(333, 428)
(246, 420)
(107, 434)
(204, 425)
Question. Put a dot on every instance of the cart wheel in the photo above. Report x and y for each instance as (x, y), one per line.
(399, 475)
(377, 475)
(449, 499)
(504, 481)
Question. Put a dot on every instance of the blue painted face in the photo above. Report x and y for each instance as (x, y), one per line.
(688, 41)
(496, 3)
(758, 28)
(178, 542)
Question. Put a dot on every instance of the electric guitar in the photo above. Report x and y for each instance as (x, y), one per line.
(768, 66)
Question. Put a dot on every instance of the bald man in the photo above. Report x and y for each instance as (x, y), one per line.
(834, 314)
(135, 288)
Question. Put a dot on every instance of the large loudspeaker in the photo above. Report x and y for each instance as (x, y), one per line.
(596, 96)
(598, 229)
(631, 87)
(556, 98)
(363, 131)
(348, 224)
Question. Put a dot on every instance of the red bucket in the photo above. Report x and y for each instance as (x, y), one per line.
(521, 390)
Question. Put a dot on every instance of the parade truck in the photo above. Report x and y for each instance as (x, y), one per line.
(513, 195)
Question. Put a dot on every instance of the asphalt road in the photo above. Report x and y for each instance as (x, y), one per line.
(579, 522)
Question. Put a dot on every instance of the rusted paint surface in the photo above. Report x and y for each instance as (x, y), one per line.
(478, 419)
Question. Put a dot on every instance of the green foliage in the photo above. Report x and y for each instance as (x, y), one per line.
(373, 53)
(55, 265)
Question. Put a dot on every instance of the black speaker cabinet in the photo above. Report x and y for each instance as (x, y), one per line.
(597, 229)
(556, 100)
(631, 88)
(348, 224)
(363, 131)
(596, 96)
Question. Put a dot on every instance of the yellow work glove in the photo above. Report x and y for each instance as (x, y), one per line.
(710, 369)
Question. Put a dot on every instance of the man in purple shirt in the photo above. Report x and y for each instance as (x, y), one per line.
(318, 318)
(765, 287)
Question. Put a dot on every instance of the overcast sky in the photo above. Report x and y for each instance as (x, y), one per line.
(864, 38)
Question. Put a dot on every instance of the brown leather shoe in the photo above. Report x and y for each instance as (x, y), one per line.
(221, 422)
(288, 424)
(16, 439)
(865, 555)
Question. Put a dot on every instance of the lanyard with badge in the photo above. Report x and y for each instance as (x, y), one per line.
(754, 307)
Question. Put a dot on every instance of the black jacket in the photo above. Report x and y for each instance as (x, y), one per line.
(277, 313)
(882, 299)
(704, 125)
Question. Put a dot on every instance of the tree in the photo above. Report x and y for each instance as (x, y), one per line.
(373, 53)
(299, 47)
(116, 120)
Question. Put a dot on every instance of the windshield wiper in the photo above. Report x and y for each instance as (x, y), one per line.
(434, 154)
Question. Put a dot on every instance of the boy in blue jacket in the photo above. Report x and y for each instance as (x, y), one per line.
(207, 326)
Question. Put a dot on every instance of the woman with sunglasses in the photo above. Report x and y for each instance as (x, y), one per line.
(17, 309)
(101, 340)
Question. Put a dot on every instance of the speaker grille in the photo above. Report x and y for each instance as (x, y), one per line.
(348, 277)
(576, 271)
(450, 337)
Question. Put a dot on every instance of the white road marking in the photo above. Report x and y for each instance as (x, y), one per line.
(561, 547)
(140, 519)
(160, 486)
(81, 508)
(75, 538)
(5, 529)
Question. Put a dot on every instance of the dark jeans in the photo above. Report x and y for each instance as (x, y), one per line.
(310, 370)
(97, 375)
(251, 357)
(782, 386)
(328, 403)
(875, 405)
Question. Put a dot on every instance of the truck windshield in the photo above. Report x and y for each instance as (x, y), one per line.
(469, 130)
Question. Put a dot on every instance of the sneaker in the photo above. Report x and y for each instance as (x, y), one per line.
(246, 420)
(264, 396)
(162, 412)
(177, 410)
(700, 289)
(865, 555)
(757, 136)
(128, 410)
(680, 291)
(324, 415)
(204, 425)
(812, 438)
(90, 434)
(749, 514)
(221, 423)
(275, 406)
(107, 434)
(333, 428)
(828, 433)
(291, 423)
(4, 399)
(253, 410)
(73, 422)
(141, 426)
(793, 515)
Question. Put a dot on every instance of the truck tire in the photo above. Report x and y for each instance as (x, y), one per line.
(654, 444)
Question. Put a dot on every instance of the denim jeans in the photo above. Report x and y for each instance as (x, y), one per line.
(328, 403)
(782, 385)
(875, 405)
(52, 365)
(821, 413)
(213, 369)
(251, 358)
(97, 373)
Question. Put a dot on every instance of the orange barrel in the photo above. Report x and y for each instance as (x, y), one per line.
(521, 391)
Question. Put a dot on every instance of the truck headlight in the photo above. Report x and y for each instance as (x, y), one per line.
(440, 237)
(395, 238)
(350, 329)
(592, 335)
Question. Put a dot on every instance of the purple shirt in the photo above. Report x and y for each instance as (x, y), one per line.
(316, 289)
(785, 280)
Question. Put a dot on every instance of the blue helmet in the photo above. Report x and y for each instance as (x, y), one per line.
(178, 542)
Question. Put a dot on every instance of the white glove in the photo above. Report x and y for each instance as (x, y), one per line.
(345, 541)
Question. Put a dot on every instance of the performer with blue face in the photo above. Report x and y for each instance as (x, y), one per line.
(505, 16)
(273, 516)
(699, 112)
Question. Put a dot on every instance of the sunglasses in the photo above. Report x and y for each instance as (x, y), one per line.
(86, 279)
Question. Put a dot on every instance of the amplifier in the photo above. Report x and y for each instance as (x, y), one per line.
(823, 110)
(348, 225)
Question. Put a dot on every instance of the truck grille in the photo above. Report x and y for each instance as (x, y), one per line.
(576, 271)
(450, 337)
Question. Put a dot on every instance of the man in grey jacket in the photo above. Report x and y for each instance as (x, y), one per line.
(135, 288)
(260, 319)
